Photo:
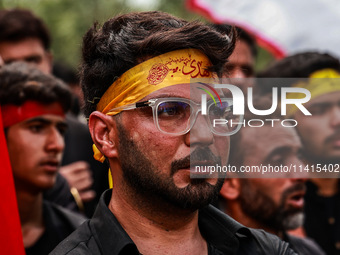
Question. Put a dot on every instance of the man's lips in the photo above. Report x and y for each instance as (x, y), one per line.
(199, 169)
(336, 143)
(296, 199)
(334, 140)
(50, 165)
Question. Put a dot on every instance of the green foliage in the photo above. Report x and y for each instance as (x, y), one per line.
(68, 20)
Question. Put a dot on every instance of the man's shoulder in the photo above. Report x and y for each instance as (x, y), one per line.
(81, 241)
(304, 246)
(267, 243)
(60, 213)
(250, 241)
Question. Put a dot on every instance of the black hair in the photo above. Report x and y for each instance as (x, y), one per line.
(127, 40)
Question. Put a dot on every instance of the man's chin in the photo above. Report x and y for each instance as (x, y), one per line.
(198, 194)
(293, 221)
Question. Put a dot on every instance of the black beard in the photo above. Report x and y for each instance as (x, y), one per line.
(147, 181)
(260, 207)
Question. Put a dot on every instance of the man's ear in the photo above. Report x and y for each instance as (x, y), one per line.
(103, 132)
(231, 189)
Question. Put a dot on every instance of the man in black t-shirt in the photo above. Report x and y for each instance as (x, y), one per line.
(145, 121)
(33, 107)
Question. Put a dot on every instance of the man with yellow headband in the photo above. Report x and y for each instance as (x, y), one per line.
(33, 107)
(145, 121)
(320, 136)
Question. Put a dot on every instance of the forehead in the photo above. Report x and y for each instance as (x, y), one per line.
(46, 118)
(267, 185)
(265, 139)
(188, 90)
(242, 52)
(20, 49)
(333, 97)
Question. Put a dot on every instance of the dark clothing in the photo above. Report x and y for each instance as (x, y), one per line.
(78, 147)
(59, 223)
(104, 235)
(322, 219)
(60, 194)
(303, 246)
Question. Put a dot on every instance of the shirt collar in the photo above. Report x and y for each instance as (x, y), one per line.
(217, 228)
(106, 228)
(220, 230)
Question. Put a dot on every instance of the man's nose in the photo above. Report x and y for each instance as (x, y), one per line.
(335, 117)
(201, 132)
(55, 141)
(238, 73)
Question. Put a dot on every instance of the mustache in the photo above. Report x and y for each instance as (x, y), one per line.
(51, 158)
(201, 155)
(295, 188)
(333, 137)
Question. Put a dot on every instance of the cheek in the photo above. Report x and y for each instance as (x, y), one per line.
(276, 188)
(20, 156)
(222, 146)
(312, 131)
(156, 146)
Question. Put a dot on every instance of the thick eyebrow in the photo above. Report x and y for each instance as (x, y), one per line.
(323, 104)
(280, 151)
(26, 58)
(46, 121)
(167, 95)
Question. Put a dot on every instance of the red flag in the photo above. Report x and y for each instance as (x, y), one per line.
(10, 228)
(283, 27)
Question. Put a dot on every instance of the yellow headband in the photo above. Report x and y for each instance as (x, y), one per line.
(165, 70)
(317, 87)
(176, 67)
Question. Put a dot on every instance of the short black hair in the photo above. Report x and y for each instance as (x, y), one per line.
(242, 35)
(298, 66)
(127, 40)
(20, 82)
(20, 24)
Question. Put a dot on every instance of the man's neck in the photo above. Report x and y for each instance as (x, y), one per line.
(31, 216)
(158, 228)
(234, 210)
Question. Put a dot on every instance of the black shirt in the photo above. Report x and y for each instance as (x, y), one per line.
(104, 235)
(303, 246)
(322, 219)
(59, 223)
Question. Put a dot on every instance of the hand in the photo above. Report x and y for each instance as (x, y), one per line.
(78, 175)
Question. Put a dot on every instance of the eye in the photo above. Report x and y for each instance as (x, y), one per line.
(172, 109)
(277, 160)
(222, 112)
(62, 128)
(34, 59)
(319, 109)
(36, 128)
(248, 71)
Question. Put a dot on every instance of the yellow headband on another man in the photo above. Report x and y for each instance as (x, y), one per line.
(176, 67)
(320, 83)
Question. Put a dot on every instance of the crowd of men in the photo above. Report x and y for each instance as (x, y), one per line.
(144, 76)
